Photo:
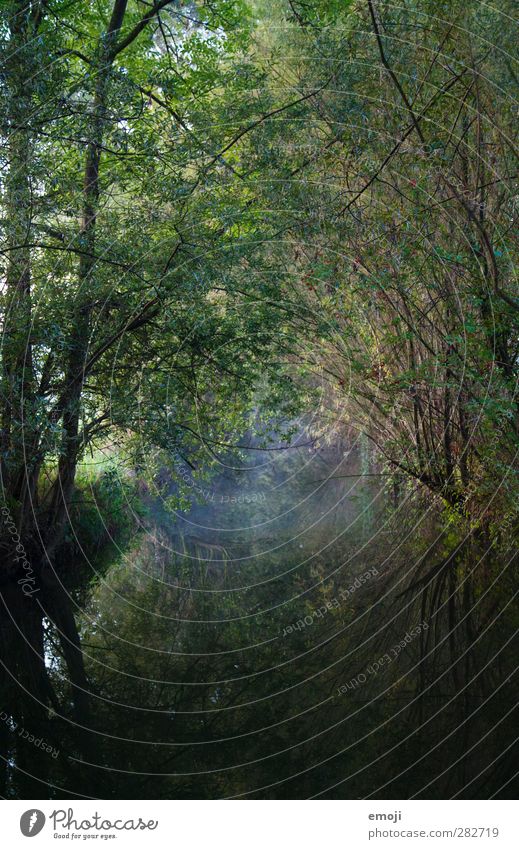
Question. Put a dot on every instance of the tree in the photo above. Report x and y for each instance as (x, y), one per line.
(122, 306)
(400, 208)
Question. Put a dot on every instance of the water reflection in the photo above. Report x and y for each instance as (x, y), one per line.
(227, 650)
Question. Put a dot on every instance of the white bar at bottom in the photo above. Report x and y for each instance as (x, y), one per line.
(349, 824)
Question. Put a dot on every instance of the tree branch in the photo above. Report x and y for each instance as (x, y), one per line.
(387, 66)
(137, 29)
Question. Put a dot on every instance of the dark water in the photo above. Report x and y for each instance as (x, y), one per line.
(305, 629)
